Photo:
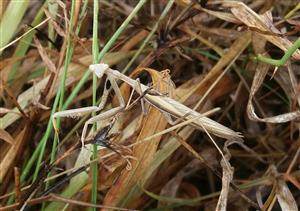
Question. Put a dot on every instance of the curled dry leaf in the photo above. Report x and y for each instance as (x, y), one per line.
(226, 178)
(260, 74)
(283, 193)
(288, 82)
(260, 22)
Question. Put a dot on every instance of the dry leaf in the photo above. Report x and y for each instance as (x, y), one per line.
(58, 29)
(153, 123)
(222, 15)
(7, 162)
(260, 22)
(260, 74)
(4, 110)
(49, 64)
(285, 197)
(283, 193)
(226, 178)
(5, 136)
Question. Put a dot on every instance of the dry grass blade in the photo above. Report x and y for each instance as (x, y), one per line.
(222, 15)
(48, 62)
(5, 136)
(171, 138)
(60, 199)
(283, 193)
(17, 184)
(58, 29)
(16, 40)
(229, 57)
(226, 179)
(13, 152)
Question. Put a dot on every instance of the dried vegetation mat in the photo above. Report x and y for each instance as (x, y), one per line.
(188, 117)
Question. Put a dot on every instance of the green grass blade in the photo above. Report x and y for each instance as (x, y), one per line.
(155, 27)
(24, 45)
(11, 20)
(95, 56)
(60, 95)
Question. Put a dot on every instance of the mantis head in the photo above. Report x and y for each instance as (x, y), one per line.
(98, 69)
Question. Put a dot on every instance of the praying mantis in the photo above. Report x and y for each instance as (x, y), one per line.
(165, 104)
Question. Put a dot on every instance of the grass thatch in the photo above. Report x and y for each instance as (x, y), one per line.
(202, 54)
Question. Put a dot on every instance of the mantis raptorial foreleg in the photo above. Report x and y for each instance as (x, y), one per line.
(108, 113)
(87, 110)
(78, 112)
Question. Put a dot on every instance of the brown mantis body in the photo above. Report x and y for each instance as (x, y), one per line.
(164, 103)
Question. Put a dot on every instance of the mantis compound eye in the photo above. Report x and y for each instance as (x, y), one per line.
(98, 69)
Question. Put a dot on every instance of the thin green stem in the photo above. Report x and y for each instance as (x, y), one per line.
(95, 56)
(69, 54)
(60, 97)
(292, 12)
(283, 60)
(120, 29)
(162, 16)
(43, 142)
